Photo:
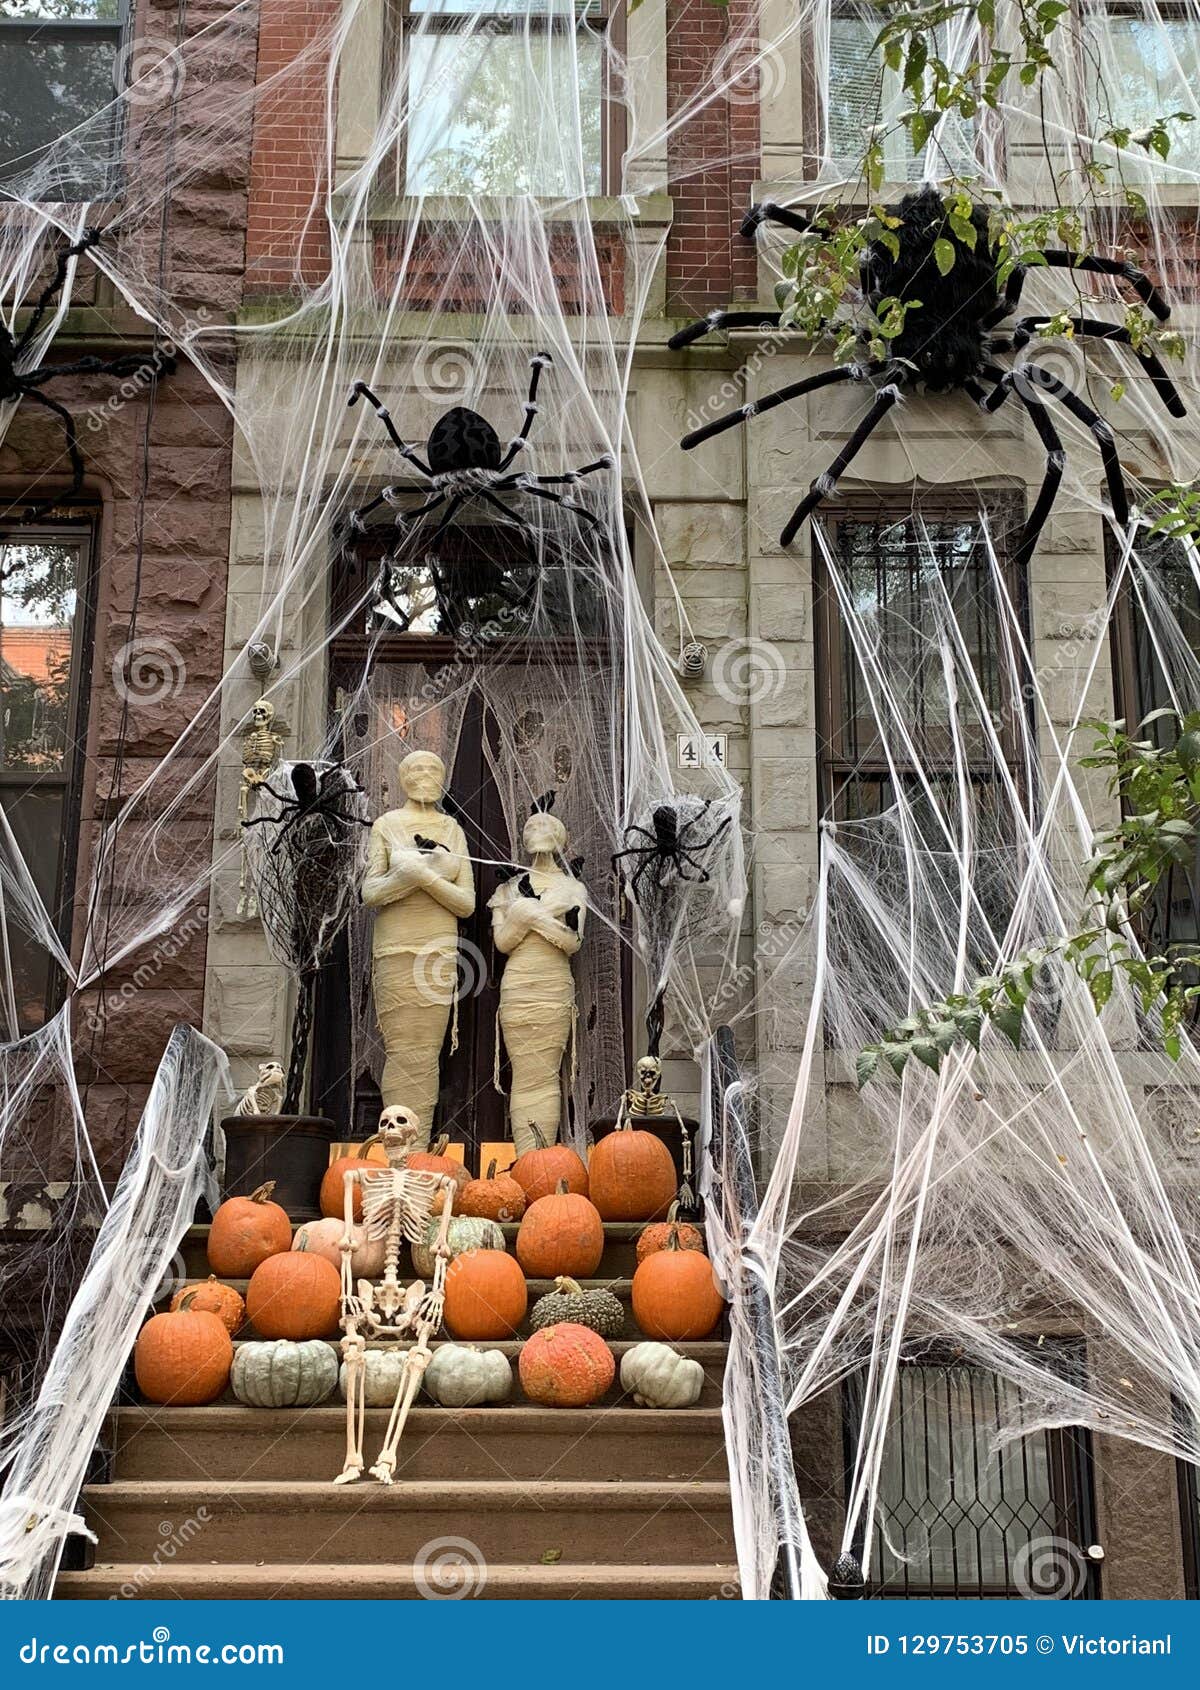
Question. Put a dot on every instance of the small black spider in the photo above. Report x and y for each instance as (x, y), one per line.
(17, 384)
(466, 461)
(671, 845)
(318, 796)
(949, 344)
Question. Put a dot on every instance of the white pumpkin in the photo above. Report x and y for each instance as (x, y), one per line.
(657, 1376)
(281, 1374)
(467, 1232)
(464, 1376)
(324, 1238)
(382, 1377)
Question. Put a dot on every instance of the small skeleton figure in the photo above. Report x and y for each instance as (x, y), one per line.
(646, 1100)
(265, 1096)
(261, 746)
(398, 1203)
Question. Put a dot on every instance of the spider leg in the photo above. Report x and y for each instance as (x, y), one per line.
(452, 511)
(769, 212)
(723, 320)
(129, 364)
(1139, 281)
(1091, 419)
(827, 483)
(405, 518)
(759, 407)
(41, 506)
(1012, 298)
(1056, 460)
(1091, 327)
(489, 498)
(686, 856)
(536, 365)
(567, 504)
(54, 286)
(568, 480)
(360, 390)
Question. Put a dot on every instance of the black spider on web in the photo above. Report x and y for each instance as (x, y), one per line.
(950, 344)
(320, 795)
(17, 384)
(668, 849)
(466, 462)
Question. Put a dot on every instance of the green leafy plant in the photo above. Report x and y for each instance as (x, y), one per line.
(1159, 789)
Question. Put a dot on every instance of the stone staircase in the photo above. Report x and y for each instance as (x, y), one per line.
(611, 1501)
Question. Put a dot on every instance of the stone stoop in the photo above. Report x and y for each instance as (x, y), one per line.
(608, 1502)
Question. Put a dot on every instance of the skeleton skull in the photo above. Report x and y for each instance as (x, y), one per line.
(649, 1074)
(262, 714)
(398, 1126)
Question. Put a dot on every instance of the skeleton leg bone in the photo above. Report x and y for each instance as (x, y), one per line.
(415, 1362)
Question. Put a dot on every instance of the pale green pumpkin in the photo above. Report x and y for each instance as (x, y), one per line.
(656, 1376)
(464, 1376)
(381, 1379)
(281, 1374)
(467, 1232)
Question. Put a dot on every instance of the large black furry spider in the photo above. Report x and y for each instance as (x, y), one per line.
(671, 844)
(949, 344)
(466, 461)
(318, 795)
(17, 384)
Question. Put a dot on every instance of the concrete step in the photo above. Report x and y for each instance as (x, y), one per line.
(619, 1259)
(262, 1444)
(621, 1288)
(382, 1582)
(711, 1353)
(595, 1523)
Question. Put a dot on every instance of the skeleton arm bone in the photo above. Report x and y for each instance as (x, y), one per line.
(433, 1305)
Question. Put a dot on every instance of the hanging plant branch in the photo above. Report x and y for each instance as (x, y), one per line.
(1159, 789)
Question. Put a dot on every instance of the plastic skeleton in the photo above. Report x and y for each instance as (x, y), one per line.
(950, 344)
(397, 1204)
(466, 461)
(17, 384)
(265, 1096)
(261, 746)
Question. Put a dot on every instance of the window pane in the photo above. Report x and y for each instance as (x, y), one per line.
(51, 81)
(504, 114)
(37, 617)
(1142, 70)
(35, 816)
(863, 93)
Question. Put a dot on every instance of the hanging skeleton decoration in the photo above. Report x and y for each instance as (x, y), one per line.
(261, 746)
(398, 1203)
(465, 461)
(950, 344)
(17, 383)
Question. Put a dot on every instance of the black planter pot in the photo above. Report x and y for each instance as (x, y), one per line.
(292, 1150)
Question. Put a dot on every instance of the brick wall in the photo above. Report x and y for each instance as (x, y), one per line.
(708, 263)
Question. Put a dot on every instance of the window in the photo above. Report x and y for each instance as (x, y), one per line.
(58, 62)
(515, 102)
(959, 1517)
(44, 636)
(863, 93)
(885, 558)
(1138, 68)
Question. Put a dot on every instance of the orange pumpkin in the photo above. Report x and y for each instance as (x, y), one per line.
(560, 1234)
(296, 1295)
(436, 1161)
(245, 1231)
(183, 1357)
(485, 1295)
(213, 1298)
(499, 1197)
(324, 1238)
(333, 1199)
(566, 1366)
(539, 1171)
(675, 1295)
(654, 1237)
(631, 1176)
